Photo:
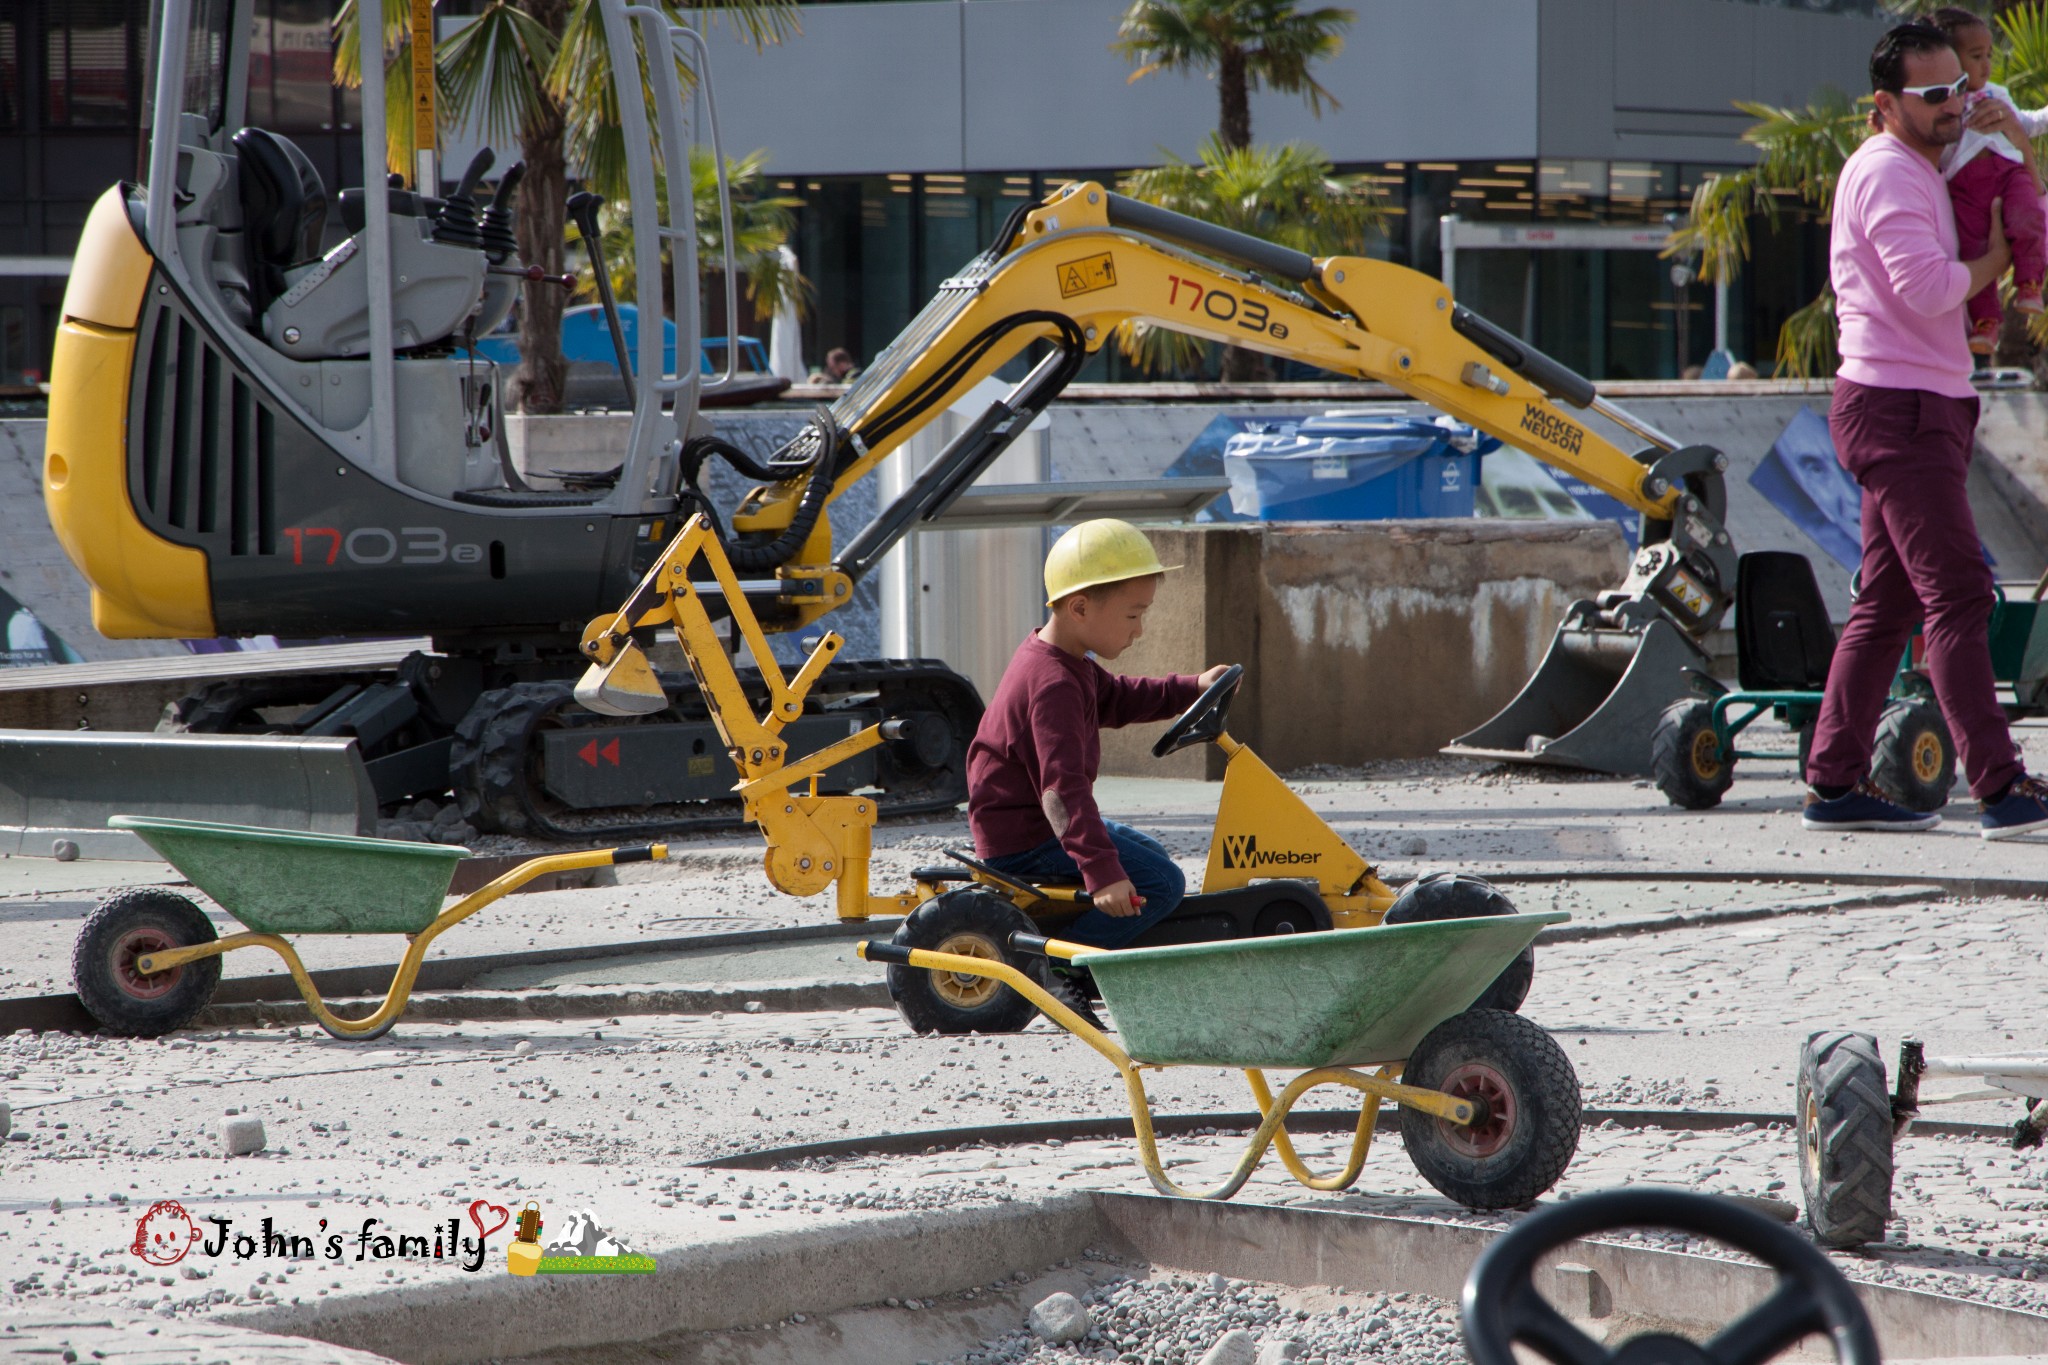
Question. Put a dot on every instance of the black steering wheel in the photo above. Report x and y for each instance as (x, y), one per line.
(1202, 721)
(1501, 1305)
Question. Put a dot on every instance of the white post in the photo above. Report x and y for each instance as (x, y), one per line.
(1447, 233)
(161, 219)
(1721, 314)
(382, 456)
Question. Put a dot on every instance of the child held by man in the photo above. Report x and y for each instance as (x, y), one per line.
(1985, 167)
(1031, 769)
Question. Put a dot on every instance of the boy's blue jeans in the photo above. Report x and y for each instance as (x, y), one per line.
(1146, 863)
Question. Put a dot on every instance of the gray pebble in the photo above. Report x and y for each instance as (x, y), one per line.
(1059, 1318)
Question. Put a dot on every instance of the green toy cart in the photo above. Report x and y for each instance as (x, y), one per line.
(147, 960)
(1489, 1101)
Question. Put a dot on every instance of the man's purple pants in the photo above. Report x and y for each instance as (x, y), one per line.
(1922, 565)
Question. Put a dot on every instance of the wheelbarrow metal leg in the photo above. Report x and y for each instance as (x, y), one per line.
(379, 1020)
(1361, 1141)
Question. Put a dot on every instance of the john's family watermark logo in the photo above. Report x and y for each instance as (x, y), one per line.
(166, 1234)
(584, 1248)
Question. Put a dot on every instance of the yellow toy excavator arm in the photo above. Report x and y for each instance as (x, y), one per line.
(1071, 270)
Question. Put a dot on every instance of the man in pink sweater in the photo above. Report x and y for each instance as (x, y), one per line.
(1903, 419)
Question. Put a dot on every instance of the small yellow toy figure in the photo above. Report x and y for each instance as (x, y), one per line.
(523, 1256)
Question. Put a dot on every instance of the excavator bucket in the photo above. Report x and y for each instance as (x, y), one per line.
(1595, 701)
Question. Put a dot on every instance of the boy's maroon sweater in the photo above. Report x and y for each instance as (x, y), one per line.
(1031, 769)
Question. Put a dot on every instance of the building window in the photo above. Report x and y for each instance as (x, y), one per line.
(10, 76)
(92, 72)
(291, 66)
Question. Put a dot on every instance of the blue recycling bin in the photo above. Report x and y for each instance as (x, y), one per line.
(1355, 467)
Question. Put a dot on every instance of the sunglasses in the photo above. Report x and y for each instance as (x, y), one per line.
(1938, 94)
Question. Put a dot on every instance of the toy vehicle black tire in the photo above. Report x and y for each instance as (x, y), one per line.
(140, 920)
(1533, 1094)
(978, 923)
(1686, 758)
(1914, 759)
(1453, 895)
(1843, 1116)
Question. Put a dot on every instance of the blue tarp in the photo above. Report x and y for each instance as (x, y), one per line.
(1274, 464)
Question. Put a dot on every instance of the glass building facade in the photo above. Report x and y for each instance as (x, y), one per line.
(875, 248)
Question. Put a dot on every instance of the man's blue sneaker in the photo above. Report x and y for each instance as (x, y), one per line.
(2022, 810)
(1866, 807)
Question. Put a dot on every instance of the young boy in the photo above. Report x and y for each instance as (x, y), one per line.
(1986, 166)
(1031, 769)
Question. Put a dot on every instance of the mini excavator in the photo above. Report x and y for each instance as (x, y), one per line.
(252, 435)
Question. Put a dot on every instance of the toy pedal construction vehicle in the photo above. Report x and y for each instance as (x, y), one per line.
(1489, 1102)
(1783, 645)
(1848, 1122)
(819, 841)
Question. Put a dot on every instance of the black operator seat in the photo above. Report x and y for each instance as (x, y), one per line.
(284, 211)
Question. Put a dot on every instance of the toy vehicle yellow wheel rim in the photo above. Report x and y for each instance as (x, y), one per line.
(1706, 755)
(959, 989)
(1927, 756)
(1809, 1140)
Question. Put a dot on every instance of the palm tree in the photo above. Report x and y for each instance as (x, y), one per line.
(760, 224)
(1288, 194)
(1245, 45)
(538, 71)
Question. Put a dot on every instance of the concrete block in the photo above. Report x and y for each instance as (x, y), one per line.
(1059, 1318)
(242, 1134)
(6, 1119)
(1360, 640)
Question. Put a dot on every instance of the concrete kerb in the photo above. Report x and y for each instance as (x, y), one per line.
(741, 1282)
(745, 1283)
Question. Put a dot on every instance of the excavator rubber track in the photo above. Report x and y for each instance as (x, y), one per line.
(528, 761)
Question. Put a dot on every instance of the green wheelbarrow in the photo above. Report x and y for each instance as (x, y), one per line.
(1489, 1101)
(147, 960)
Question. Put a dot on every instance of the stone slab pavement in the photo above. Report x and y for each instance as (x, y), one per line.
(610, 1115)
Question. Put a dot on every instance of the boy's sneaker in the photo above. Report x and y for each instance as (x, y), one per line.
(1984, 337)
(2027, 298)
(2022, 810)
(1866, 807)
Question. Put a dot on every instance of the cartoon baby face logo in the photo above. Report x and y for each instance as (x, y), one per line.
(165, 1233)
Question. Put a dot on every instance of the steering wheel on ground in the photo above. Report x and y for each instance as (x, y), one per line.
(1202, 721)
(1502, 1306)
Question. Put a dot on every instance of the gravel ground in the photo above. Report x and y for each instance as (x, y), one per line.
(1179, 1320)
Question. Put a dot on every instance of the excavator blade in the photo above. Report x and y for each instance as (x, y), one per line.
(626, 686)
(1595, 701)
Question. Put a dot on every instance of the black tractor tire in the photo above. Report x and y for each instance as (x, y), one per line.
(1914, 759)
(1453, 895)
(235, 706)
(1284, 917)
(143, 919)
(977, 923)
(1532, 1094)
(1844, 1117)
(1686, 758)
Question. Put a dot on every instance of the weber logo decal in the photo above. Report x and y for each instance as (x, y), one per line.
(1548, 427)
(1242, 850)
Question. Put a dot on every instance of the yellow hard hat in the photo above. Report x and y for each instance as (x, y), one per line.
(1098, 552)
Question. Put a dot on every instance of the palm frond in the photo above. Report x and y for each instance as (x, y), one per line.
(498, 66)
(1806, 342)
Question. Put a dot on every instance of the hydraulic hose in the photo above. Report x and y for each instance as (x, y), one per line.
(822, 467)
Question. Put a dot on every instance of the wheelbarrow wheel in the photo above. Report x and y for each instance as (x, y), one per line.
(1686, 757)
(1914, 760)
(1531, 1126)
(973, 923)
(1453, 895)
(1844, 1115)
(143, 919)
